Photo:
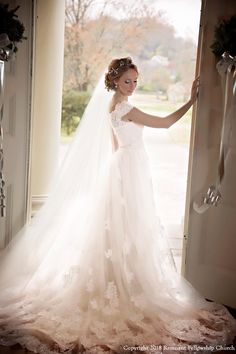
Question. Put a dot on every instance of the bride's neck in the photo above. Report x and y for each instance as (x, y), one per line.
(119, 97)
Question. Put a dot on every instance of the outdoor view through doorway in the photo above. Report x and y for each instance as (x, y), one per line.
(163, 44)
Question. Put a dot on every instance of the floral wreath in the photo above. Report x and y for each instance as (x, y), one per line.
(224, 39)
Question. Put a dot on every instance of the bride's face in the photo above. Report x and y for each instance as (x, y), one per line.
(127, 83)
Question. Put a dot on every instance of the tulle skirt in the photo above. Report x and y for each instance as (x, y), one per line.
(105, 277)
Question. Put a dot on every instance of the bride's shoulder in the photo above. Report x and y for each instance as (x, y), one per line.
(114, 106)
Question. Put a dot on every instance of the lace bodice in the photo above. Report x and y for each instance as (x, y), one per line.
(127, 133)
(121, 109)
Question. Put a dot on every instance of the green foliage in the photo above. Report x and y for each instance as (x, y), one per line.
(147, 87)
(225, 38)
(73, 106)
(10, 25)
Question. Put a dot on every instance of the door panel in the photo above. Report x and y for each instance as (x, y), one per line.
(210, 238)
(17, 127)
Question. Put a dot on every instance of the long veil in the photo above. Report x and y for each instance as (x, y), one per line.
(89, 269)
(75, 191)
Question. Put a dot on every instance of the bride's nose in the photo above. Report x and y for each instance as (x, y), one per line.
(132, 85)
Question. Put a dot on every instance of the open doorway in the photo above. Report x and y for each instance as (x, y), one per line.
(164, 48)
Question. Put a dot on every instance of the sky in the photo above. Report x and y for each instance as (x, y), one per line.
(184, 15)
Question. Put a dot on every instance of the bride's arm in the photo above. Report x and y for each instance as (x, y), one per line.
(149, 120)
(114, 142)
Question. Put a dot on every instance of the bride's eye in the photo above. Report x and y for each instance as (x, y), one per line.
(128, 81)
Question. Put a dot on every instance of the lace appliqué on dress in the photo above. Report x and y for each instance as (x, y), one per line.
(121, 109)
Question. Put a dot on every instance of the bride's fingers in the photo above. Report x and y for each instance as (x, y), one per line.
(196, 82)
(196, 85)
(195, 88)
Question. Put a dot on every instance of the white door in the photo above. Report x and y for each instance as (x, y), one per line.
(17, 128)
(209, 261)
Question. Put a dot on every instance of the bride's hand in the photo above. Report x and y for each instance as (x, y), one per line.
(195, 89)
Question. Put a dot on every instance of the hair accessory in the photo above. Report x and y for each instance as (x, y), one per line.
(116, 71)
(121, 63)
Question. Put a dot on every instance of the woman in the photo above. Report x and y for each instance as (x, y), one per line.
(93, 272)
(124, 82)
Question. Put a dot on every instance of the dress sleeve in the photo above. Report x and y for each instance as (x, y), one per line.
(123, 108)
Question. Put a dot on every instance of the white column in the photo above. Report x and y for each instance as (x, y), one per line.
(47, 96)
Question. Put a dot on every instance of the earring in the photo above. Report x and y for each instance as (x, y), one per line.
(116, 85)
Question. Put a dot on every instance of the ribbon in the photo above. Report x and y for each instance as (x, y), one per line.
(227, 69)
(6, 53)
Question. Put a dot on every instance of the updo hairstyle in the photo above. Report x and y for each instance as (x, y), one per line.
(116, 69)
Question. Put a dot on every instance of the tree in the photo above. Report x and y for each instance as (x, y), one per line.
(97, 31)
(92, 37)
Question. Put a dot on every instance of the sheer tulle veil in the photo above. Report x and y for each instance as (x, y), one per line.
(76, 187)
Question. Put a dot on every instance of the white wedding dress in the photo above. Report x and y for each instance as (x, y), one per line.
(115, 286)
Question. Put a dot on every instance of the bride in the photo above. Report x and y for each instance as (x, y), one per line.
(92, 272)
